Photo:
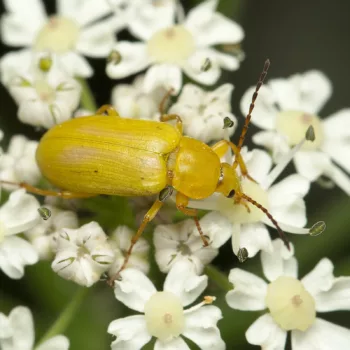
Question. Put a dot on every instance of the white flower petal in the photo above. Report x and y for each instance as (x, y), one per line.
(76, 65)
(307, 92)
(5, 329)
(84, 12)
(177, 242)
(167, 76)
(17, 30)
(312, 164)
(131, 333)
(255, 237)
(217, 227)
(150, 17)
(176, 343)
(58, 342)
(320, 279)
(98, 39)
(249, 291)
(280, 262)
(134, 58)
(266, 333)
(183, 281)
(273, 141)
(21, 320)
(323, 335)
(236, 238)
(265, 109)
(193, 67)
(200, 14)
(215, 30)
(337, 137)
(14, 63)
(20, 212)
(337, 125)
(337, 298)
(330, 293)
(134, 289)
(258, 163)
(191, 95)
(15, 253)
(286, 200)
(38, 113)
(201, 327)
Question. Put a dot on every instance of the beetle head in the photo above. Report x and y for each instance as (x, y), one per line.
(229, 182)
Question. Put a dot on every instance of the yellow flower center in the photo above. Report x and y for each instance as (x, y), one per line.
(294, 124)
(164, 316)
(58, 35)
(171, 45)
(2, 232)
(290, 304)
(245, 212)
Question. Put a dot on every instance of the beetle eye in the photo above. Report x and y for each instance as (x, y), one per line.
(231, 194)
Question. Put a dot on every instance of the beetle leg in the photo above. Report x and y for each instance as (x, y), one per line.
(108, 110)
(181, 204)
(164, 100)
(41, 192)
(152, 212)
(167, 117)
(221, 147)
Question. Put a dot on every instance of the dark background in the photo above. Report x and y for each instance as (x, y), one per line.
(296, 36)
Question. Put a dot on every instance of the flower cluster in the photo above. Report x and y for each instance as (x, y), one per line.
(87, 239)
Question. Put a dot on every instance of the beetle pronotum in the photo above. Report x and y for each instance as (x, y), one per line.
(111, 155)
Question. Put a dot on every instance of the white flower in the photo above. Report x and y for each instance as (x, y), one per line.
(292, 303)
(18, 214)
(175, 47)
(78, 28)
(82, 254)
(43, 236)
(164, 316)
(45, 98)
(203, 112)
(132, 102)
(17, 332)
(146, 16)
(283, 200)
(181, 241)
(285, 109)
(18, 164)
(120, 240)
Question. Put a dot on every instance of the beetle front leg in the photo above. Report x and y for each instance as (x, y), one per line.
(52, 193)
(152, 212)
(221, 147)
(181, 204)
(108, 110)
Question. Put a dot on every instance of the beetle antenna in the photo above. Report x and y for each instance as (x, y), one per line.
(263, 209)
(251, 108)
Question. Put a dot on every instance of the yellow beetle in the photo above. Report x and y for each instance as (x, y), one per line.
(115, 156)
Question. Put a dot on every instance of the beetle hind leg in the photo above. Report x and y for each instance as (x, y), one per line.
(52, 193)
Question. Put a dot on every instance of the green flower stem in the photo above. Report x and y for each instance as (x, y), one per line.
(87, 98)
(65, 318)
(218, 277)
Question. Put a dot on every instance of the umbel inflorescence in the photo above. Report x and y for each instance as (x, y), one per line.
(167, 278)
